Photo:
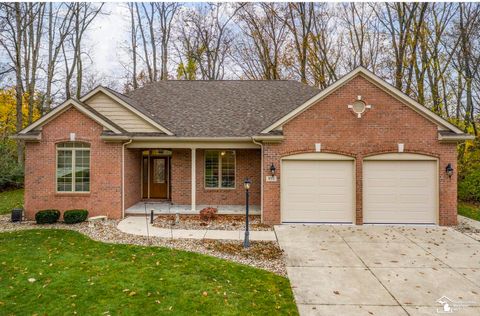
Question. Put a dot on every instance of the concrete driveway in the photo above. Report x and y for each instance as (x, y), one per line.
(381, 270)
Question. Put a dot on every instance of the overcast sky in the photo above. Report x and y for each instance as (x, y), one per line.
(107, 38)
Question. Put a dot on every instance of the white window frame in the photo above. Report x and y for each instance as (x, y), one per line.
(219, 187)
(73, 150)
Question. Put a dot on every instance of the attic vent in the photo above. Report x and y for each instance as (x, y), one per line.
(359, 106)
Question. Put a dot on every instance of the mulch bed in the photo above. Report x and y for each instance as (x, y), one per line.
(261, 254)
(222, 222)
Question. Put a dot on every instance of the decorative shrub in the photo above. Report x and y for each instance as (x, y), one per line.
(208, 214)
(47, 216)
(75, 216)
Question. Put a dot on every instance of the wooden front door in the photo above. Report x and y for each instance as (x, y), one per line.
(158, 177)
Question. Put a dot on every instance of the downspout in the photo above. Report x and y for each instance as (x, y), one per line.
(261, 175)
(123, 176)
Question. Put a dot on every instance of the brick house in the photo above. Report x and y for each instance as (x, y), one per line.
(359, 151)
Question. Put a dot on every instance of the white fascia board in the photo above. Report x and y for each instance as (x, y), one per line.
(455, 138)
(125, 104)
(62, 108)
(376, 80)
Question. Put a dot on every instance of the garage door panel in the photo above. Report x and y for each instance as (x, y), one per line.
(317, 191)
(399, 192)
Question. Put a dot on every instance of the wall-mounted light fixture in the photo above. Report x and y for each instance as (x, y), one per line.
(449, 170)
(272, 169)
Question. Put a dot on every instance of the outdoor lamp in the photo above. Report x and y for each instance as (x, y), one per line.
(247, 183)
(272, 169)
(449, 170)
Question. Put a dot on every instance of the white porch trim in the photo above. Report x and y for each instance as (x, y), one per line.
(194, 189)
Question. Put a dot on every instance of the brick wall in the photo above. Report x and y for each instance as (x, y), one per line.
(181, 174)
(105, 167)
(248, 162)
(380, 129)
(133, 173)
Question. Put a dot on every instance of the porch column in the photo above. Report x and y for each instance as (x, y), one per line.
(194, 191)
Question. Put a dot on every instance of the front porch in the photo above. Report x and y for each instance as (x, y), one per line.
(165, 207)
(171, 180)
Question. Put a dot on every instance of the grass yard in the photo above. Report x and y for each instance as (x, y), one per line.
(469, 210)
(76, 275)
(10, 199)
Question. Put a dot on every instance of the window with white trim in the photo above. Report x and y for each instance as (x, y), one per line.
(220, 169)
(73, 167)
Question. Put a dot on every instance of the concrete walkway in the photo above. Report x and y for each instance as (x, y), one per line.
(381, 270)
(137, 225)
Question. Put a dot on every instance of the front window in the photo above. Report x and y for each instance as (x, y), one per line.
(220, 169)
(73, 167)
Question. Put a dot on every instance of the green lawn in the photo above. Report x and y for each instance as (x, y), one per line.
(469, 210)
(10, 199)
(74, 274)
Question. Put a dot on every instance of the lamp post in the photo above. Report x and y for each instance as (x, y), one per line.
(246, 185)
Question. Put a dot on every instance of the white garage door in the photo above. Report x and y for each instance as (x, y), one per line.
(399, 192)
(317, 191)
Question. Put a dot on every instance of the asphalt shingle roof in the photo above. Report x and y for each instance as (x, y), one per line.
(218, 108)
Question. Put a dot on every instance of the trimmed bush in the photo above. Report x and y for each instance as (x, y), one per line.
(47, 216)
(208, 214)
(75, 216)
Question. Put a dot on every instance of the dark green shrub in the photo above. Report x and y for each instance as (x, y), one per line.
(11, 172)
(75, 216)
(469, 187)
(47, 216)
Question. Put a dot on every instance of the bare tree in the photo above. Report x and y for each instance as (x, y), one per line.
(259, 52)
(206, 37)
(468, 26)
(166, 14)
(60, 20)
(325, 54)
(133, 43)
(402, 22)
(15, 24)
(364, 40)
(32, 39)
(83, 15)
(299, 21)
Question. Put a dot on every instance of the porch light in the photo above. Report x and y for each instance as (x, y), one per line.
(449, 170)
(246, 184)
(272, 169)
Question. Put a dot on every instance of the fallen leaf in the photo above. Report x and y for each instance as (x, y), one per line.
(336, 292)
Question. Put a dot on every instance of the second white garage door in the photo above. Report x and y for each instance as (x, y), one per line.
(399, 192)
(318, 191)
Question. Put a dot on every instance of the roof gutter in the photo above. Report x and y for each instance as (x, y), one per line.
(268, 138)
(175, 139)
(455, 138)
(26, 137)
